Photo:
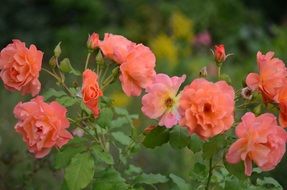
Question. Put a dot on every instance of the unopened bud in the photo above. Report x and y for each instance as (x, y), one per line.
(53, 61)
(219, 54)
(93, 41)
(58, 50)
(100, 59)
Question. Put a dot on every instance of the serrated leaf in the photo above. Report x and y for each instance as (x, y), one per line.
(195, 144)
(53, 93)
(105, 118)
(236, 170)
(109, 179)
(80, 171)
(119, 122)
(121, 138)
(156, 137)
(67, 101)
(121, 111)
(178, 137)
(132, 170)
(85, 108)
(213, 146)
(101, 155)
(180, 183)
(150, 179)
(63, 157)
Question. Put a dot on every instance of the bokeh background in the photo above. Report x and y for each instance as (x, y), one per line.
(180, 33)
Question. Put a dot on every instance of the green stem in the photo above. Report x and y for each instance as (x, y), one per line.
(219, 72)
(52, 74)
(60, 80)
(209, 174)
(87, 60)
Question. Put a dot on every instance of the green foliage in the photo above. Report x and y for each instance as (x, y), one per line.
(156, 137)
(178, 137)
(109, 179)
(213, 146)
(67, 101)
(195, 143)
(65, 154)
(236, 170)
(80, 171)
(100, 154)
(180, 183)
(105, 117)
(53, 93)
(150, 179)
(121, 138)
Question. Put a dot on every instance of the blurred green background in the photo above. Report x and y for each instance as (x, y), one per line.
(180, 33)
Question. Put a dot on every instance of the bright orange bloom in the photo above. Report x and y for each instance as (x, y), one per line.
(91, 91)
(137, 71)
(20, 67)
(207, 108)
(116, 47)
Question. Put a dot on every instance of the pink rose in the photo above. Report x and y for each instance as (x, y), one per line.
(261, 140)
(116, 47)
(137, 71)
(91, 91)
(20, 67)
(207, 108)
(162, 100)
(272, 76)
(42, 125)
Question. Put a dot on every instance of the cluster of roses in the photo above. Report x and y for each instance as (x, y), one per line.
(203, 107)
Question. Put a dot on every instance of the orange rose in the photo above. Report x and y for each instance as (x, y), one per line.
(42, 125)
(137, 71)
(91, 91)
(207, 108)
(281, 98)
(20, 67)
(116, 47)
(271, 77)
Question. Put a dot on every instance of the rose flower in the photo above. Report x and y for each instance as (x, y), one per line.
(91, 91)
(20, 67)
(260, 141)
(42, 125)
(207, 108)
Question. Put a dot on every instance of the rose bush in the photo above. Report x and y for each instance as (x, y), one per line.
(204, 117)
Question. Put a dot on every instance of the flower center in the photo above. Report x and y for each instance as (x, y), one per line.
(169, 102)
(207, 108)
